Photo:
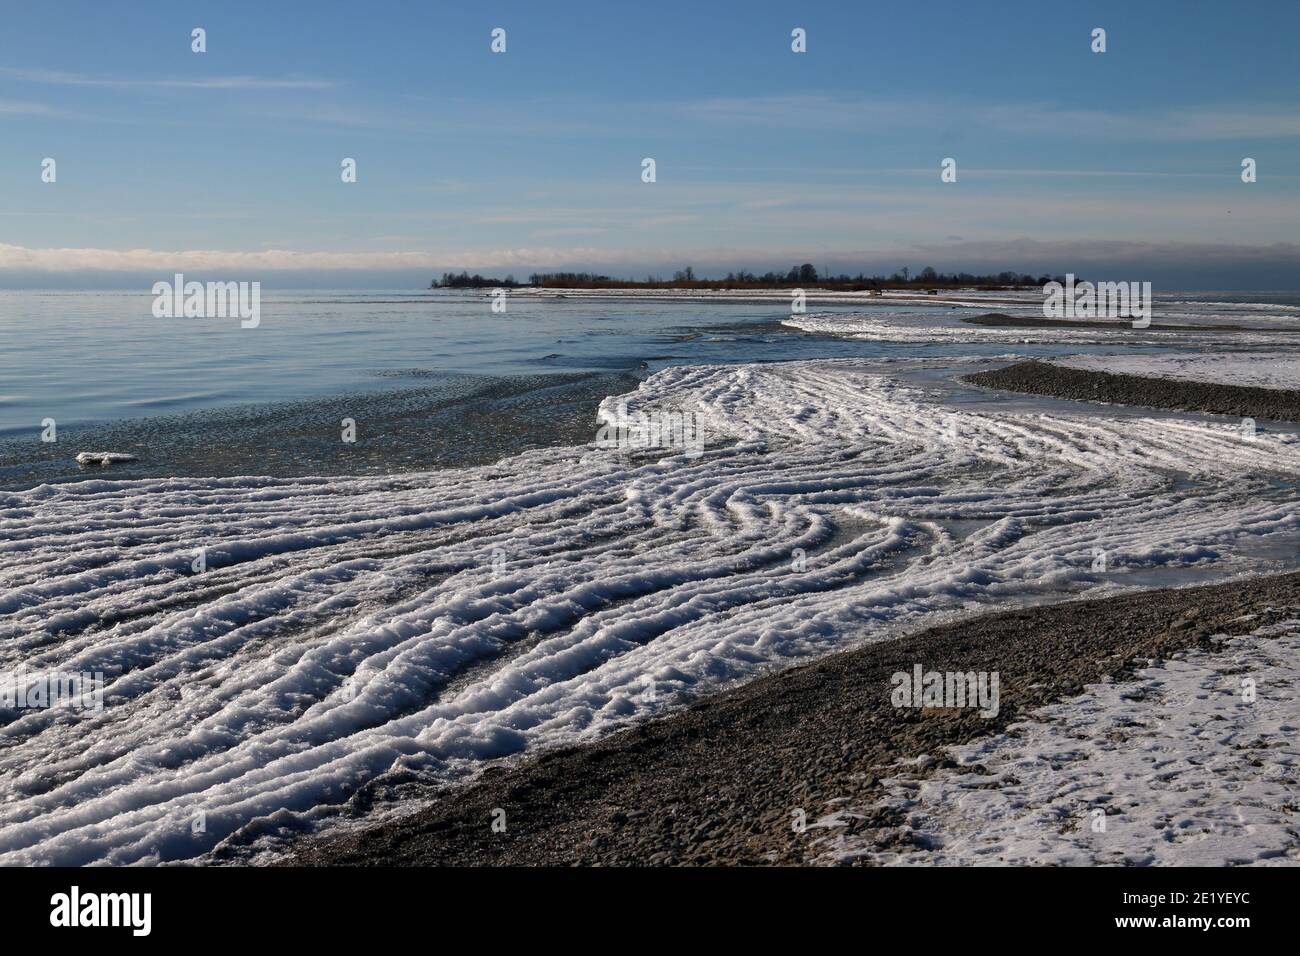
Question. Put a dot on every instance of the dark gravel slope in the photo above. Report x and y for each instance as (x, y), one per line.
(1057, 381)
(718, 782)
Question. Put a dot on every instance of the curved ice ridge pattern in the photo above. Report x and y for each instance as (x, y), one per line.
(344, 629)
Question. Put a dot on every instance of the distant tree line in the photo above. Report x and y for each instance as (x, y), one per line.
(452, 280)
(804, 276)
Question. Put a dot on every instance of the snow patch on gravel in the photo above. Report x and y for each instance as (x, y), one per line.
(1184, 769)
(1223, 368)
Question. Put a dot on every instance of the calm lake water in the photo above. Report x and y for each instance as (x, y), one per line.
(82, 357)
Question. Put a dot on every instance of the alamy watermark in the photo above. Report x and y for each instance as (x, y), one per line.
(215, 300)
(923, 688)
(642, 431)
(21, 690)
(1104, 300)
(75, 908)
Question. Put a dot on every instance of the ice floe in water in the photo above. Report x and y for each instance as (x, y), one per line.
(270, 646)
(103, 459)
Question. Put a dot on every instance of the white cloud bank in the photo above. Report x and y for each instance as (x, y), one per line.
(1011, 253)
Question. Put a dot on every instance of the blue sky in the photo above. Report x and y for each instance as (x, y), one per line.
(228, 161)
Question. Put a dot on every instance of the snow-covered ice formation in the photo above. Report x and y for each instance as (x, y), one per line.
(271, 645)
(1265, 330)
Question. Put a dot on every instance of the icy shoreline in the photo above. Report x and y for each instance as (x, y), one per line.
(412, 627)
(725, 781)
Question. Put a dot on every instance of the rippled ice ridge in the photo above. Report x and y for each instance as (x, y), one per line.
(350, 627)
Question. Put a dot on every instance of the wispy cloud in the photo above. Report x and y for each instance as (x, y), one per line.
(805, 111)
(1190, 124)
(60, 78)
(568, 231)
(848, 113)
(29, 109)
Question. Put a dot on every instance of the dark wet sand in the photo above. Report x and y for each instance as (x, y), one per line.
(717, 783)
(1057, 381)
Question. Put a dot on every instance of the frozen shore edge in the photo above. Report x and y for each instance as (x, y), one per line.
(717, 783)
(1063, 381)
